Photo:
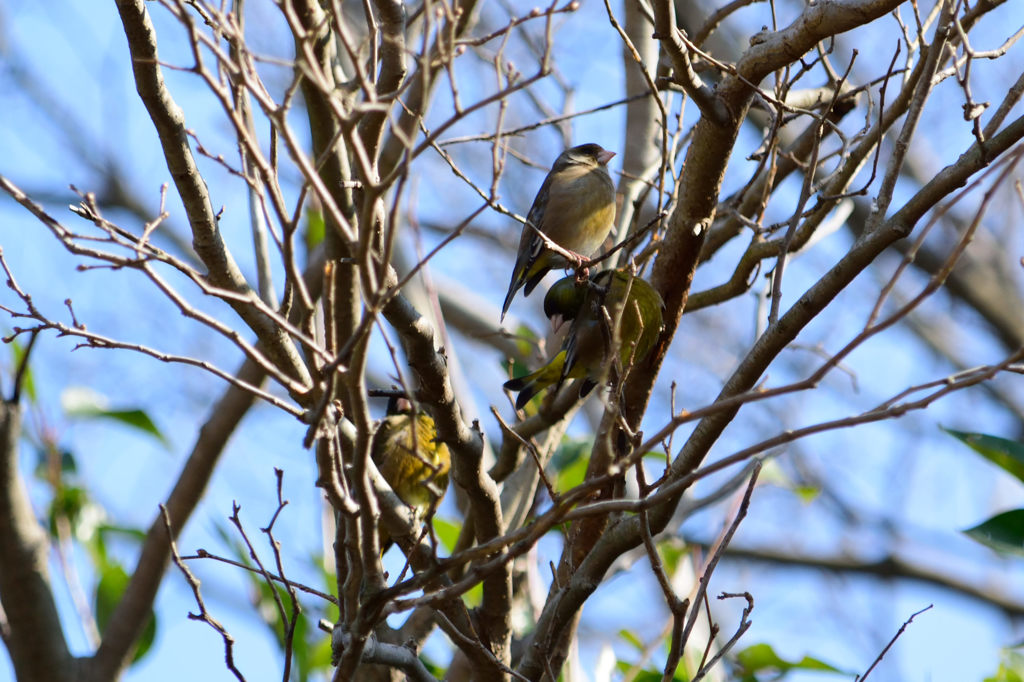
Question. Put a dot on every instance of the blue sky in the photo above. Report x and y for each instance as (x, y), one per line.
(908, 470)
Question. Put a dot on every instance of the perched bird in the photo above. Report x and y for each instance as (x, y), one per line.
(564, 300)
(574, 208)
(587, 347)
(410, 458)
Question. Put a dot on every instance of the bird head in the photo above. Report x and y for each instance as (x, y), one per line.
(399, 404)
(589, 154)
(563, 301)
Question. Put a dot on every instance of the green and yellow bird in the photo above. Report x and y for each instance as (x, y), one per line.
(411, 459)
(574, 208)
(628, 300)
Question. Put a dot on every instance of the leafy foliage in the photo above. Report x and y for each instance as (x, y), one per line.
(1003, 532)
(1004, 453)
(760, 660)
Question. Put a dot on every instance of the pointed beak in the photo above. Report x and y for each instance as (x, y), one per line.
(604, 157)
(556, 322)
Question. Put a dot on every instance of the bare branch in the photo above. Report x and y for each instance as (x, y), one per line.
(169, 122)
(891, 642)
(32, 630)
(204, 614)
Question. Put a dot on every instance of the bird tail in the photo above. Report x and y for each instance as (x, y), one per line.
(534, 278)
(532, 384)
(513, 286)
(527, 272)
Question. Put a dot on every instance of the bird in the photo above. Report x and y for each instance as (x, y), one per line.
(630, 302)
(411, 459)
(564, 300)
(574, 208)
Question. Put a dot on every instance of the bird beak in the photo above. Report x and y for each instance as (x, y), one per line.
(557, 320)
(604, 157)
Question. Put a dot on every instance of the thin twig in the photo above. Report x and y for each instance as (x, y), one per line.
(883, 652)
(203, 615)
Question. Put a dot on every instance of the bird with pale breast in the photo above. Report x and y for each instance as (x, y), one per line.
(574, 208)
(411, 459)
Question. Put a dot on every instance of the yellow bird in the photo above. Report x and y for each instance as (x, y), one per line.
(412, 461)
(574, 208)
(587, 347)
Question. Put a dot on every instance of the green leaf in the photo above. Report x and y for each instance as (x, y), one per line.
(806, 493)
(573, 475)
(1004, 453)
(526, 344)
(137, 419)
(762, 658)
(28, 384)
(772, 473)
(570, 462)
(112, 583)
(67, 463)
(96, 542)
(630, 671)
(1003, 533)
(1005, 674)
(632, 638)
(329, 582)
(432, 667)
(320, 652)
(134, 534)
(44, 453)
(672, 550)
(84, 403)
(474, 596)
(146, 639)
(315, 229)
(570, 451)
(69, 502)
(302, 651)
(1011, 668)
(447, 532)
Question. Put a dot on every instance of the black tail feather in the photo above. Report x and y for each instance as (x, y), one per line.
(532, 283)
(586, 386)
(525, 387)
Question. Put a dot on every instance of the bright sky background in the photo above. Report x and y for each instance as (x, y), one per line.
(842, 620)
